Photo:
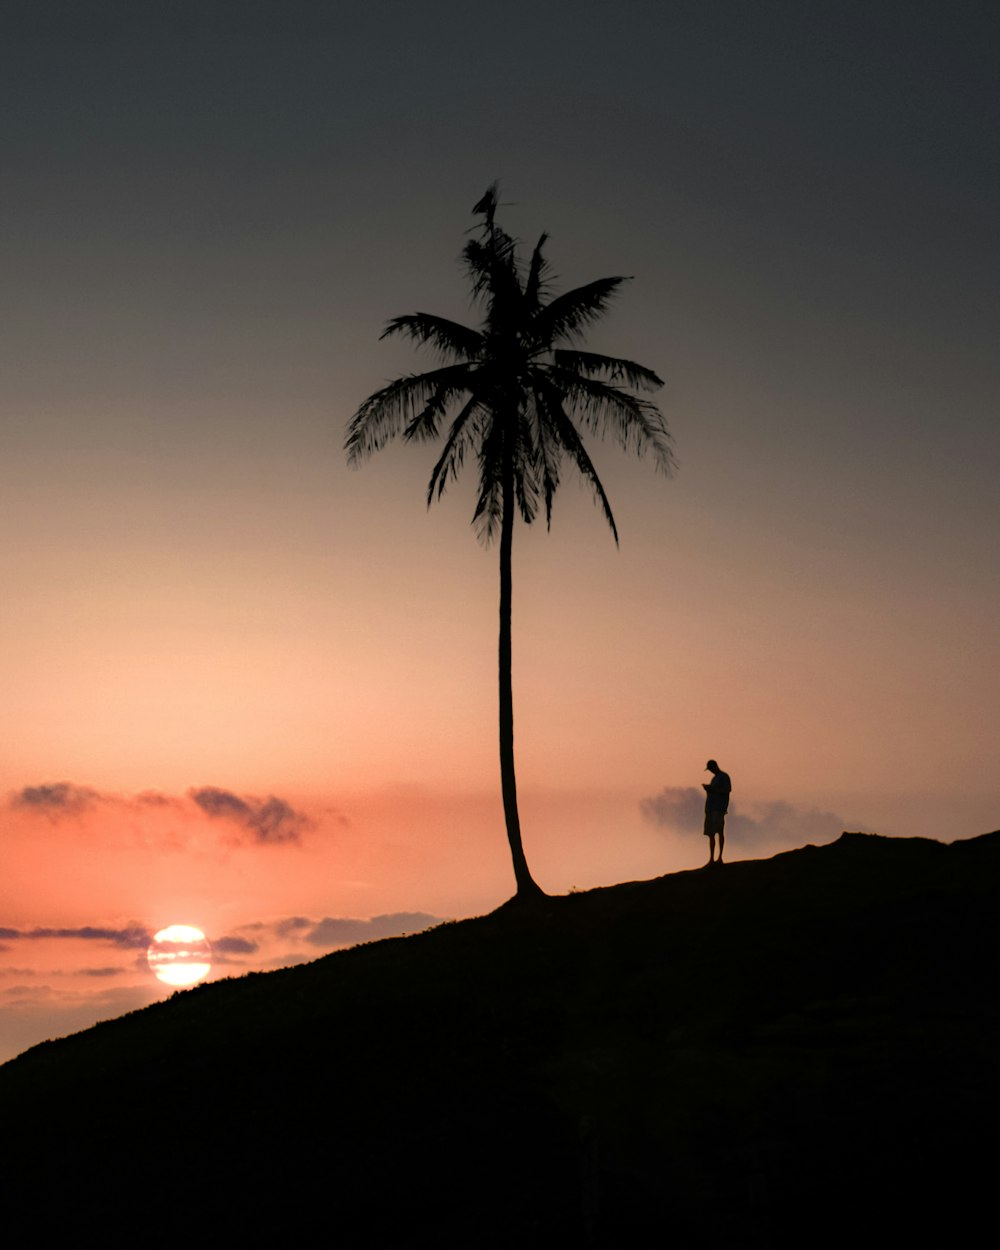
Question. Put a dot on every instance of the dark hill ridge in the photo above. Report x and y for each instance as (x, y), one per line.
(794, 1049)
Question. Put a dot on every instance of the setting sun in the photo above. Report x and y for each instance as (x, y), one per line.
(180, 955)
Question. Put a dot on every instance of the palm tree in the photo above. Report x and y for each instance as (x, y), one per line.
(513, 389)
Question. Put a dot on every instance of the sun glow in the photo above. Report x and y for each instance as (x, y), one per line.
(180, 955)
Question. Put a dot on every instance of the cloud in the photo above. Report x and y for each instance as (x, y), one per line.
(59, 798)
(327, 933)
(133, 937)
(26, 994)
(234, 946)
(153, 799)
(348, 932)
(682, 809)
(269, 821)
(66, 798)
(292, 925)
(779, 821)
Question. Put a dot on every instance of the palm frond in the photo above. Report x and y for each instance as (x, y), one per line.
(491, 260)
(426, 424)
(450, 338)
(549, 450)
(453, 455)
(613, 369)
(537, 282)
(564, 430)
(492, 268)
(527, 465)
(636, 425)
(386, 413)
(489, 505)
(569, 315)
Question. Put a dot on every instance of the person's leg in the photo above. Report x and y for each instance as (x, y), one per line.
(722, 843)
(711, 847)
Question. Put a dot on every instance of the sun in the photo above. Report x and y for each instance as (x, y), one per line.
(180, 955)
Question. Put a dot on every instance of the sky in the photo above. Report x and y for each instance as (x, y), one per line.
(247, 688)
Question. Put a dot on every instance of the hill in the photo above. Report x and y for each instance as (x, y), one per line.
(780, 1050)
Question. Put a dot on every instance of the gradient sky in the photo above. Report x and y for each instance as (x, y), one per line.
(246, 688)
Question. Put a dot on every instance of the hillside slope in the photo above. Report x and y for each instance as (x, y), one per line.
(777, 1050)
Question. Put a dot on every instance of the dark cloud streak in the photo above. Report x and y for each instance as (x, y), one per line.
(134, 937)
(234, 946)
(58, 798)
(293, 924)
(332, 931)
(270, 821)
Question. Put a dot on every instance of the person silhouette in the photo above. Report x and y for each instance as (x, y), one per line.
(717, 793)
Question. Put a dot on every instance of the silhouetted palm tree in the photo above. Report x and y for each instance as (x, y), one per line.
(515, 386)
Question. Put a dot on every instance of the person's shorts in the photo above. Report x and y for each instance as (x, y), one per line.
(715, 822)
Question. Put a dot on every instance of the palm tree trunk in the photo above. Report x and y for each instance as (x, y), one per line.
(526, 884)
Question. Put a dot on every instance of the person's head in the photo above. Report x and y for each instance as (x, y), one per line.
(712, 767)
